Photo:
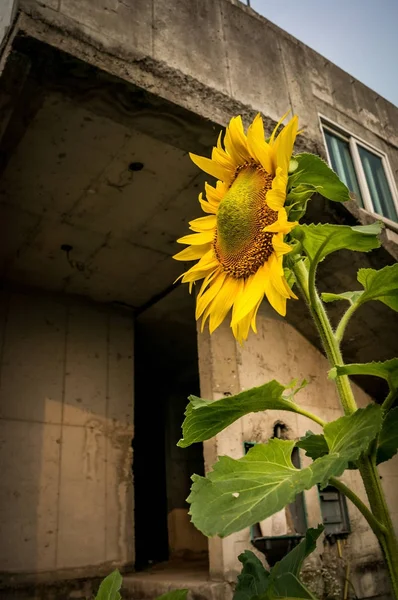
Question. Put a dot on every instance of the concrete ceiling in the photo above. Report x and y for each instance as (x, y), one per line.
(69, 183)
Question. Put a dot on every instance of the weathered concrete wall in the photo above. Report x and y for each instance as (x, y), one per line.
(7, 14)
(280, 352)
(66, 425)
(216, 58)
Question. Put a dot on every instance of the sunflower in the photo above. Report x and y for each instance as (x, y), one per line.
(240, 244)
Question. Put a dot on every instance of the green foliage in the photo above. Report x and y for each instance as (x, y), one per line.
(239, 493)
(206, 418)
(388, 439)
(253, 579)
(352, 297)
(110, 586)
(387, 370)
(320, 240)
(315, 445)
(297, 200)
(313, 172)
(380, 285)
(352, 434)
(256, 583)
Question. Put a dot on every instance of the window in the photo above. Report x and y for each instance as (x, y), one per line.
(364, 170)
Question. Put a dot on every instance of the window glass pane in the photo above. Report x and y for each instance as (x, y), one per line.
(382, 200)
(340, 157)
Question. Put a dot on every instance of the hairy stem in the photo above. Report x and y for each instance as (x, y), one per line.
(344, 321)
(389, 401)
(332, 349)
(376, 526)
(310, 415)
(367, 464)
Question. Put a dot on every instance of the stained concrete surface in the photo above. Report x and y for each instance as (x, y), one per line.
(66, 425)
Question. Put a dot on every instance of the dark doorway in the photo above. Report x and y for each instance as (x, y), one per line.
(166, 365)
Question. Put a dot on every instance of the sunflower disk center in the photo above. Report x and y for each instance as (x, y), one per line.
(240, 244)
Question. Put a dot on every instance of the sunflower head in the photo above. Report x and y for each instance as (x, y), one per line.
(239, 246)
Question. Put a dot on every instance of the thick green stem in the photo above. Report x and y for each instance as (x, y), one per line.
(367, 464)
(332, 349)
(376, 526)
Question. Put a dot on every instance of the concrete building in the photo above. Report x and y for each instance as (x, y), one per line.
(101, 100)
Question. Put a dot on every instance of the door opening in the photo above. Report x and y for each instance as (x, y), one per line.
(166, 372)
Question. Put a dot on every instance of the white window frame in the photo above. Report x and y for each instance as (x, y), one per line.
(354, 141)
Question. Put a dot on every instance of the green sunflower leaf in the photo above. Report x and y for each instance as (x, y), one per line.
(239, 493)
(388, 438)
(288, 587)
(205, 418)
(257, 583)
(352, 297)
(315, 445)
(380, 285)
(293, 561)
(387, 370)
(174, 595)
(253, 578)
(110, 586)
(320, 240)
(347, 434)
(313, 171)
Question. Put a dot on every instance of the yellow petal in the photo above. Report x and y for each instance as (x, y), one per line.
(206, 206)
(192, 252)
(253, 321)
(204, 299)
(279, 245)
(215, 195)
(276, 276)
(241, 329)
(219, 156)
(276, 196)
(279, 123)
(281, 225)
(257, 145)
(222, 303)
(211, 167)
(203, 267)
(203, 224)
(196, 274)
(284, 144)
(197, 239)
(277, 301)
(235, 141)
(288, 289)
(252, 292)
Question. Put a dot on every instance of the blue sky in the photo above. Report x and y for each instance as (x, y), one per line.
(360, 36)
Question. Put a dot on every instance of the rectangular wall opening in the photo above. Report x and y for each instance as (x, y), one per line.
(166, 372)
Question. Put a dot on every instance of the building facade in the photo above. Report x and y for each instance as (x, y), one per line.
(101, 102)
